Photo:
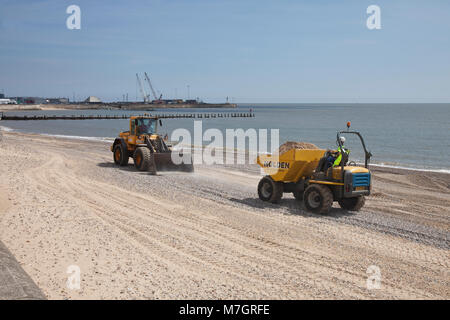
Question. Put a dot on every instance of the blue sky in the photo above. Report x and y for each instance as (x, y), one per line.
(253, 51)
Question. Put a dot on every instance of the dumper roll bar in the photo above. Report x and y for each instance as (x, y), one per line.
(367, 154)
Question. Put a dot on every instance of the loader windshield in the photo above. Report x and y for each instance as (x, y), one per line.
(146, 126)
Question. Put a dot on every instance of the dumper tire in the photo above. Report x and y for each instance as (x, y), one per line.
(142, 158)
(298, 195)
(318, 198)
(120, 155)
(270, 190)
(352, 204)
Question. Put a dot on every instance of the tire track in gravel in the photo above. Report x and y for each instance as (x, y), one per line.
(222, 238)
(54, 183)
(54, 180)
(316, 267)
(366, 219)
(98, 209)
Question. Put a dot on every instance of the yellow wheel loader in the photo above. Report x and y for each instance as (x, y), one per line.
(147, 148)
(306, 174)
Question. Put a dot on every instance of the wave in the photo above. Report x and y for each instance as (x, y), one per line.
(6, 129)
(242, 152)
(392, 166)
(358, 161)
(103, 139)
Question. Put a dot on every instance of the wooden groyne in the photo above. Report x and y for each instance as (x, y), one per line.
(196, 115)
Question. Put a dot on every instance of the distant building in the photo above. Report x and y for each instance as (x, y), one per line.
(7, 101)
(29, 100)
(2, 96)
(92, 99)
(38, 100)
(168, 101)
(58, 100)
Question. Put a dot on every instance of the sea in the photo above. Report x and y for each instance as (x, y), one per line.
(412, 136)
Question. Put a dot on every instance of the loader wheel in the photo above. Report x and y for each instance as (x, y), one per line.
(352, 204)
(270, 190)
(142, 158)
(188, 167)
(318, 198)
(120, 155)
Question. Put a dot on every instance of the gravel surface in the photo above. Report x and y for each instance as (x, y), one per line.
(206, 235)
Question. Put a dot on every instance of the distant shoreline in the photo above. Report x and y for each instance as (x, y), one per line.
(111, 106)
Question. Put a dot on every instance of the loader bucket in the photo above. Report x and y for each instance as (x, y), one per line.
(163, 162)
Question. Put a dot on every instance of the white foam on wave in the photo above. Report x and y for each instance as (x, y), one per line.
(6, 129)
(358, 161)
(105, 139)
(102, 139)
(382, 165)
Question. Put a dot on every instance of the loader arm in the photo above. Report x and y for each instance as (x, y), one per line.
(149, 144)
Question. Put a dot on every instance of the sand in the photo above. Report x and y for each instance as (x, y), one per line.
(206, 235)
(288, 145)
(5, 204)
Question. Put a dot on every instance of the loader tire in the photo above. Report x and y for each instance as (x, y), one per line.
(120, 155)
(142, 158)
(270, 190)
(318, 198)
(188, 167)
(352, 204)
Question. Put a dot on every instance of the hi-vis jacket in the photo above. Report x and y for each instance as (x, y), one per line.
(339, 158)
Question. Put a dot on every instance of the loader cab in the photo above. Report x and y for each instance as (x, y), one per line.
(141, 125)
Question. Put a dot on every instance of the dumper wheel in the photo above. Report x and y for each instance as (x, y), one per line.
(270, 190)
(298, 195)
(120, 155)
(318, 198)
(142, 158)
(352, 204)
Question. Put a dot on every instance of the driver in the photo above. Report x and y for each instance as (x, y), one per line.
(143, 128)
(334, 157)
(340, 151)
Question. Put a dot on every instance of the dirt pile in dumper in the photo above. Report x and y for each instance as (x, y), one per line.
(295, 145)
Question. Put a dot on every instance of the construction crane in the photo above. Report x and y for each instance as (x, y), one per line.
(151, 87)
(144, 95)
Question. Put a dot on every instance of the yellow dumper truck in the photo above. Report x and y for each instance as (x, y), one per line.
(304, 172)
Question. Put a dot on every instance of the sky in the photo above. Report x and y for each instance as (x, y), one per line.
(248, 50)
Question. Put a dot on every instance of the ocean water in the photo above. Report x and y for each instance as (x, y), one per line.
(414, 136)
